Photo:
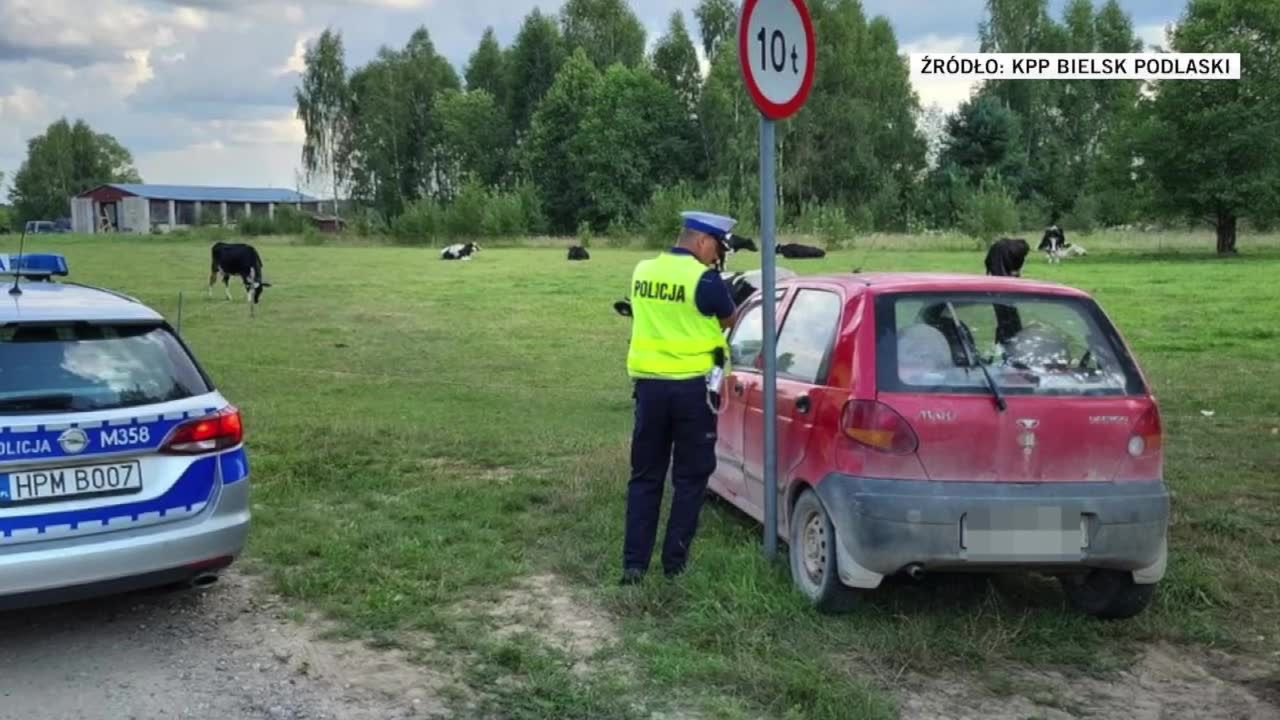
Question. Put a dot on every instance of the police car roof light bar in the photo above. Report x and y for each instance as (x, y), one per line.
(39, 266)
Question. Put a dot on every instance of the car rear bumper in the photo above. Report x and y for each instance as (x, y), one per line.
(40, 573)
(885, 526)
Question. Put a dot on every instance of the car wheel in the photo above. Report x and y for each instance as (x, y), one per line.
(813, 557)
(1108, 594)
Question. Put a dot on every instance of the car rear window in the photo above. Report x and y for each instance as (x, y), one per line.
(1031, 344)
(82, 367)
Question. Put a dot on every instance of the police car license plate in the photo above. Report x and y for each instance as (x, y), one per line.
(63, 483)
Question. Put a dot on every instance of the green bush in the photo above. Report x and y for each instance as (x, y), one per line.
(290, 220)
(209, 216)
(254, 226)
(420, 224)
(464, 217)
(503, 215)
(988, 213)
(828, 222)
(535, 220)
(367, 222)
(584, 234)
(659, 221)
(1083, 217)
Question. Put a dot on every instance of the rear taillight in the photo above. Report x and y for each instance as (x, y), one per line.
(1148, 435)
(879, 427)
(215, 432)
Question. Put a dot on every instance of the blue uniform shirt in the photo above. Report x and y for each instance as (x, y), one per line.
(712, 296)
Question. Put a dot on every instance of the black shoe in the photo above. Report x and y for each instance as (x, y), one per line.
(631, 576)
(673, 573)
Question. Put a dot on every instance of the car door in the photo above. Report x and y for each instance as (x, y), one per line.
(745, 342)
(805, 344)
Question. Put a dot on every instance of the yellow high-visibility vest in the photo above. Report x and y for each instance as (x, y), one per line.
(670, 339)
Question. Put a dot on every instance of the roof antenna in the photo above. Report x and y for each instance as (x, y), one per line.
(17, 269)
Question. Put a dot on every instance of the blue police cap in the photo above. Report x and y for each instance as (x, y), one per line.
(717, 226)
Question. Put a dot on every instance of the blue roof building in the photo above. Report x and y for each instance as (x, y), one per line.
(140, 208)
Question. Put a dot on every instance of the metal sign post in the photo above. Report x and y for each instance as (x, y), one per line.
(778, 53)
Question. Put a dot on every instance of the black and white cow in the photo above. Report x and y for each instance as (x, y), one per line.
(460, 251)
(577, 253)
(795, 251)
(1006, 257)
(1055, 246)
(241, 260)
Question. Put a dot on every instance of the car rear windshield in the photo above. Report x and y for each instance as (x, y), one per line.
(1030, 344)
(82, 367)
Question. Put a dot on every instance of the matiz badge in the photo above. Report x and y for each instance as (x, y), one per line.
(73, 441)
(1027, 438)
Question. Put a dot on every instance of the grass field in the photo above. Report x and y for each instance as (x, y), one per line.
(426, 436)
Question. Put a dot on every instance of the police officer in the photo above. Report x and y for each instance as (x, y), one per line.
(677, 357)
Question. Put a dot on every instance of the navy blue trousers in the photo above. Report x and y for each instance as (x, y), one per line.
(673, 428)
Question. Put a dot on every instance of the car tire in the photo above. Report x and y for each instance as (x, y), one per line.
(1107, 594)
(814, 569)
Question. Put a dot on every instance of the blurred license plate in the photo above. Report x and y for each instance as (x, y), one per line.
(1047, 533)
(63, 483)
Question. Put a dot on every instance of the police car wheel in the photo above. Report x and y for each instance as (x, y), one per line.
(813, 557)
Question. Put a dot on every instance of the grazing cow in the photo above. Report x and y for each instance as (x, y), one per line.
(794, 251)
(242, 260)
(460, 251)
(1055, 246)
(577, 252)
(1006, 257)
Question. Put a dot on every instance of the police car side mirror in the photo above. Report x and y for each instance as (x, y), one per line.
(623, 308)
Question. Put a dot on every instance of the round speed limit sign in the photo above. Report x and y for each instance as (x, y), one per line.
(778, 53)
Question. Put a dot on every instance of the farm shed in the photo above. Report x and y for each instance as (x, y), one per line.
(129, 208)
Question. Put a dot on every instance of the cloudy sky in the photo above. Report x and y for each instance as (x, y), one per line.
(201, 90)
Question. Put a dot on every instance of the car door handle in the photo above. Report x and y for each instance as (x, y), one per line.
(802, 404)
(737, 389)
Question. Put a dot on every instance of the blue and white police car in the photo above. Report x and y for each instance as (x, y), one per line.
(121, 465)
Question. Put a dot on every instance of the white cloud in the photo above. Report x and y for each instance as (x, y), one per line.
(1152, 35)
(22, 103)
(946, 92)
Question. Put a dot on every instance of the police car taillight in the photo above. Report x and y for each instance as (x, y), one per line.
(216, 432)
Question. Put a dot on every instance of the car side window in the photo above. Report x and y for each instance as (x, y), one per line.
(747, 339)
(804, 345)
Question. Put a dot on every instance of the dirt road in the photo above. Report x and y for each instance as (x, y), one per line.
(226, 653)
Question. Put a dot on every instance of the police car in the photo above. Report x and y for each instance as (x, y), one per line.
(121, 466)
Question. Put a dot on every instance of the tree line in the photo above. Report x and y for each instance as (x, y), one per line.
(576, 128)
(580, 129)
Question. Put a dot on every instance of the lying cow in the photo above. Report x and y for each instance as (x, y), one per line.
(241, 260)
(1055, 246)
(577, 252)
(1006, 257)
(460, 251)
(794, 251)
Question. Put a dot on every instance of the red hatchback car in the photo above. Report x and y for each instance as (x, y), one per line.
(950, 423)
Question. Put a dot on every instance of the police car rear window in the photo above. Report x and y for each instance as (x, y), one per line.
(81, 368)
